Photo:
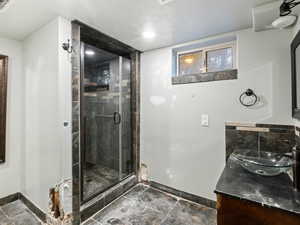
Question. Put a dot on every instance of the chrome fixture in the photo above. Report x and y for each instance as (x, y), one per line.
(67, 46)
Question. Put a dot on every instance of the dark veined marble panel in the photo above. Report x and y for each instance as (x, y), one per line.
(205, 77)
(263, 137)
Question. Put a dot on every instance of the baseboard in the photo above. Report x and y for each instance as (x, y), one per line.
(191, 197)
(37, 211)
(104, 199)
(9, 199)
(19, 196)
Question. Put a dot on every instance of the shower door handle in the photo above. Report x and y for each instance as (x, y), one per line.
(117, 118)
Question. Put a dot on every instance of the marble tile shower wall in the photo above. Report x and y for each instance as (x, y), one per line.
(102, 143)
(127, 129)
(297, 136)
(263, 137)
(132, 96)
(75, 123)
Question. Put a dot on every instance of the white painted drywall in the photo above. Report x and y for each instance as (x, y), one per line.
(177, 150)
(47, 106)
(65, 96)
(10, 170)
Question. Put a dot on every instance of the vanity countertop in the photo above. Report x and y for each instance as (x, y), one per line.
(275, 192)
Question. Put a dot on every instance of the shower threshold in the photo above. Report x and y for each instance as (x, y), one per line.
(98, 179)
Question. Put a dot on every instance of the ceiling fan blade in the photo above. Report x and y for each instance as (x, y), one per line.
(289, 1)
(269, 27)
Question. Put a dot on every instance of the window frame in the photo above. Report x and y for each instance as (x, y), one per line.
(204, 50)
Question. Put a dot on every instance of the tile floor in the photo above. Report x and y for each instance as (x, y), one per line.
(16, 213)
(144, 205)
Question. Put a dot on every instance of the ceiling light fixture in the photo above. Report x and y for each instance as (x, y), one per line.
(287, 6)
(148, 34)
(90, 52)
(3, 4)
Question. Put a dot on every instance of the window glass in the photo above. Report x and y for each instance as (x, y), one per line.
(191, 63)
(219, 59)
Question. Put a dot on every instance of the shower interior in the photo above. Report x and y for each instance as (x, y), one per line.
(105, 113)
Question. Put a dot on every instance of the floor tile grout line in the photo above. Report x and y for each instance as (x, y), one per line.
(133, 188)
(31, 212)
(93, 216)
(4, 213)
(169, 213)
(137, 197)
(181, 198)
(97, 222)
(22, 212)
(166, 193)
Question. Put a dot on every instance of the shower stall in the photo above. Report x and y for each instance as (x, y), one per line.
(105, 103)
(106, 120)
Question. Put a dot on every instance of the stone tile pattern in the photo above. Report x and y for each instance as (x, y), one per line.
(16, 213)
(205, 77)
(280, 138)
(135, 105)
(102, 134)
(104, 198)
(191, 197)
(76, 192)
(144, 205)
(297, 137)
(19, 197)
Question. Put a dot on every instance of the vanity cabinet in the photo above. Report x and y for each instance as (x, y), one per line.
(232, 211)
(245, 198)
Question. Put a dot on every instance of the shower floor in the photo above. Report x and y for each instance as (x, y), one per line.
(144, 205)
(98, 178)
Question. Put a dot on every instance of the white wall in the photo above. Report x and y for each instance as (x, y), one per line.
(177, 150)
(46, 72)
(10, 170)
(65, 97)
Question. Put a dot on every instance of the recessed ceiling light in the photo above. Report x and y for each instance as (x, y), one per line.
(148, 34)
(89, 52)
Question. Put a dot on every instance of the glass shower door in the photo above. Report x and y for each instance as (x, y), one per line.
(106, 153)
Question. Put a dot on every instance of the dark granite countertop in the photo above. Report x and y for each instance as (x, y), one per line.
(276, 192)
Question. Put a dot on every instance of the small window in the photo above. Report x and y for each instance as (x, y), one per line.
(191, 63)
(209, 59)
(219, 59)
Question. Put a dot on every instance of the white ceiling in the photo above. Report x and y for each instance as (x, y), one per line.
(126, 20)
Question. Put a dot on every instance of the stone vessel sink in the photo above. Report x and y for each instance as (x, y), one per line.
(262, 163)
